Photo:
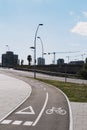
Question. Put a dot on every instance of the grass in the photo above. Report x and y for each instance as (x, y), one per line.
(75, 92)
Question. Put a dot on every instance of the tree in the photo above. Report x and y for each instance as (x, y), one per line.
(22, 61)
(83, 72)
(86, 60)
(29, 58)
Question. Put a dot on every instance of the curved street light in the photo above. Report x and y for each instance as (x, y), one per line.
(35, 49)
(42, 47)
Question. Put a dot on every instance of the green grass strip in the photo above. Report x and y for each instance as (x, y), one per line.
(75, 92)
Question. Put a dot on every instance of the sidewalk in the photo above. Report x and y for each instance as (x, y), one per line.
(19, 91)
(12, 93)
(79, 111)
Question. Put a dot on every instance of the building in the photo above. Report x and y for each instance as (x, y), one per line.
(60, 61)
(9, 59)
(80, 62)
(41, 61)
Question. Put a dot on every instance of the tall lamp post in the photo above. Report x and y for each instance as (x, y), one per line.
(35, 49)
(42, 47)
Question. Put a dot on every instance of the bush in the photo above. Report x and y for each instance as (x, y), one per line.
(83, 73)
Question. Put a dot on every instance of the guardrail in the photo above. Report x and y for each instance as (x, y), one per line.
(49, 72)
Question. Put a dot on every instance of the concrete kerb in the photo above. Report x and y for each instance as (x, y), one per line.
(28, 95)
(70, 111)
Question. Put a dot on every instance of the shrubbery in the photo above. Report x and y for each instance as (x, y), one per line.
(83, 72)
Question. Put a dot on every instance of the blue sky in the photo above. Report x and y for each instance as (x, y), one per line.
(64, 30)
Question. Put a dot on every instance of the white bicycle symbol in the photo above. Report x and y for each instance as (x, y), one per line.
(59, 111)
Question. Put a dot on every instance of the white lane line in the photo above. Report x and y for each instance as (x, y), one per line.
(40, 114)
(28, 123)
(17, 122)
(6, 122)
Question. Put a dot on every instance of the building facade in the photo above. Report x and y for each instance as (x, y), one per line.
(9, 59)
(60, 61)
(41, 61)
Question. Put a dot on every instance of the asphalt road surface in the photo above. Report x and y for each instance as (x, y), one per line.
(45, 109)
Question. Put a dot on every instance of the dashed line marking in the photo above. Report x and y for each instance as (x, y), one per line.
(6, 121)
(17, 122)
(28, 123)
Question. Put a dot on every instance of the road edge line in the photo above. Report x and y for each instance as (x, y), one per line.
(70, 110)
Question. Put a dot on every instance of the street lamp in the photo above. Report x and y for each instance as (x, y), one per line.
(42, 47)
(32, 47)
(35, 49)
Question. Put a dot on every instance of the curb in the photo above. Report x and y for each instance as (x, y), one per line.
(70, 110)
(19, 103)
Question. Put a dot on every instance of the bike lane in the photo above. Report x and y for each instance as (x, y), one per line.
(33, 113)
(56, 115)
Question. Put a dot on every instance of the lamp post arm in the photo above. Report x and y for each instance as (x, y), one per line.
(35, 49)
(42, 48)
(35, 45)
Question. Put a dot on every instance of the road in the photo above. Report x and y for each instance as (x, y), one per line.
(45, 109)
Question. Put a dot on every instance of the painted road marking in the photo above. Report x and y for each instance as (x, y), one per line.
(6, 121)
(44, 89)
(29, 111)
(40, 114)
(17, 122)
(28, 123)
(59, 111)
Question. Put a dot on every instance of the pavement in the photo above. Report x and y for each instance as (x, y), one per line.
(79, 112)
(13, 93)
(19, 91)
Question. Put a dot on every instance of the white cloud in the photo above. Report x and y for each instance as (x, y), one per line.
(80, 28)
(85, 14)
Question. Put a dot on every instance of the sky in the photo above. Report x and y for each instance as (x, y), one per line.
(64, 28)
